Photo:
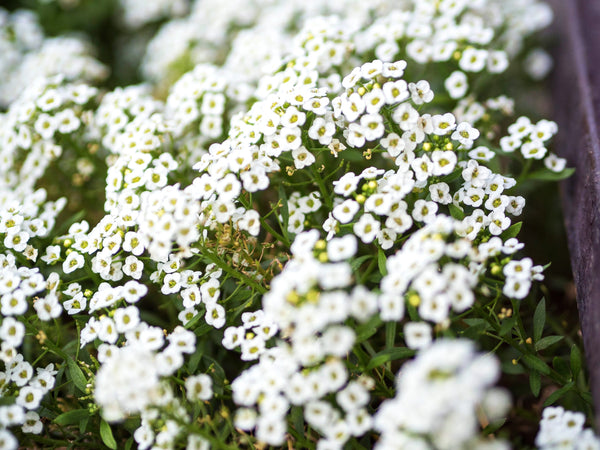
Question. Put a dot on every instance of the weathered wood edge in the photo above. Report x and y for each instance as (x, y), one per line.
(576, 90)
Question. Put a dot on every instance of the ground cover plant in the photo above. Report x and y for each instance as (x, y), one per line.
(300, 228)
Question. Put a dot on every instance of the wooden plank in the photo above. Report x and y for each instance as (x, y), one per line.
(576, 95)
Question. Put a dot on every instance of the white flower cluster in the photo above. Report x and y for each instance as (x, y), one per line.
(202, 36)
(530, 139)
(26, 55)
(129, 380)
(565, 429)
(20, 379)
(34, 129)
(200, 104)
(424, 413)
(137, 13)
(294, 191)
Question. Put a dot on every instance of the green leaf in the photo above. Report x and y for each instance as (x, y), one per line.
(83, 423)
(512, 231)
(536, 364)
(535, 383)
(77, 375)
(381, 259)
(472, 322)
(507, 326)
(545, 174)
(576, 361)
(7, 400)
(72, 417)
(558, 393)
(217, 374)
(107, 436)
(539, 320)
(297, 417)
(456, 212)
(390, 354)
(195, 359)
(129, 444)
(412, 312)
(547, 342)
(561, 366)
(356, 263)
(493, 427)
(474, 331)
(368, 329)
(512, 369)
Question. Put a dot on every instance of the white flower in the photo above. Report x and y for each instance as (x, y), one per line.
(302, 157)
(29, 397)
(465, 134)
(554, 163)
(73, 262)
(443, 124)
(533, 150)
(366, 228)
(342, 248)
(516, 287)
(457, 84)
(215, 315)
(395, 91)
(391, 307)
(417, 335)
(473, 60)
(48, 307)
(126, 383)
(12, 331)
(420, 92)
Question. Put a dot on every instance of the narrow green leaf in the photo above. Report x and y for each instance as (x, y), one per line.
(297, 417)
(539, 320)
(381, 259)
(535, 383)
(558, 393)
(391, 354)
(547, 342)
(366, 330)
(536, 364)
(493, 427)
(412, 312)
(456, 212)
(576, 361)
(356, 263)
(7, 400)
(71, 417)
(512, 369)
(107, 435)
(561, 366)
(512, 231)
(129, 444)
(475, 330)
(547, 175)
(475, 322)
(216, 372)
(83, 423)
(507, 326)
(77, 375)
(390, 334)
(195, 359)
(361, 355)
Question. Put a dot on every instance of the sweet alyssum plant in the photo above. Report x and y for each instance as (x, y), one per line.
(316, 249)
